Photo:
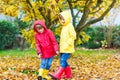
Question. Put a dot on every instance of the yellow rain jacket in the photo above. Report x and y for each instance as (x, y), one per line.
(68, 34)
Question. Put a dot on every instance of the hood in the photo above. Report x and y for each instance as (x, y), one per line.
(40, 22)
(67, 16)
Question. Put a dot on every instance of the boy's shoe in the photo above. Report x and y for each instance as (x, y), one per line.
(46, 75)
(67, 73)
(39, 77)
(57, 75)
(41, 74)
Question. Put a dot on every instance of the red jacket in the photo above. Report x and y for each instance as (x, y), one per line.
(46, 43)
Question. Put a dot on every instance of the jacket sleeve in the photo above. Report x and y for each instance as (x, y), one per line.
(53, 40)
(72, 35)
(38, 49)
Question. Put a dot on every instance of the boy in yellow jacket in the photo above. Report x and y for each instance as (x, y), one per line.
(67, 37)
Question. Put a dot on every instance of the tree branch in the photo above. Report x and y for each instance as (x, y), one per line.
(71, 9)
(40, 10)
(48, 18)
(76, 1)
(76, 15)
(31, 7)
(84, 16)
(101, 17)
(96, 11)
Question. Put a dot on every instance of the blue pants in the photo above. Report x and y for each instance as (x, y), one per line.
(63, 59)
(46, 63)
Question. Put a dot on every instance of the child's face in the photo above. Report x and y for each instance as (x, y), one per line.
(39, 28)
(61, 18)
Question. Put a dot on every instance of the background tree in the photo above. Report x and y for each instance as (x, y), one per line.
(92, 10)
(110, 27)
(8, 33)
(21, 26)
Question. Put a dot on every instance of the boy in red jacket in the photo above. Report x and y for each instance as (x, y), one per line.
(46, 47)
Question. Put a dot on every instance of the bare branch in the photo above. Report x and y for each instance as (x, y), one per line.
(76, 15)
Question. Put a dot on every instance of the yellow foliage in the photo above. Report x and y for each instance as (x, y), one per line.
(12, 10)
(85, 38)
(99, 10)
(31, 10)
(79, 41)
(9, 7)
(26, 18)
(58, 31)
(29, 36)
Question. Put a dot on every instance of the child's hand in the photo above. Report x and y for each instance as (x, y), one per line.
(57, 52)
(39, 55)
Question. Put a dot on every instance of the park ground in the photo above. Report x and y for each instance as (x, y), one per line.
(86, 64)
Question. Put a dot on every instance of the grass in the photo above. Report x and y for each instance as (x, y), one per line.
(95, 55)
(18, 52)
(32, 52)
(96, 51)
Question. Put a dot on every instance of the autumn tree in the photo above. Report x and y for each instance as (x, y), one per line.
(110, 26)
(92, 10)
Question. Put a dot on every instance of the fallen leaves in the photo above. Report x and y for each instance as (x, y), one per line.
(96, 67)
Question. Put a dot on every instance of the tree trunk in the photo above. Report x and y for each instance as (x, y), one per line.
(22, 44)
(77, 37)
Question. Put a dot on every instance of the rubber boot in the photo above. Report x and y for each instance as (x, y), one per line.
(57, 75)
(41, 71)
(67, 72)
(46, 75)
